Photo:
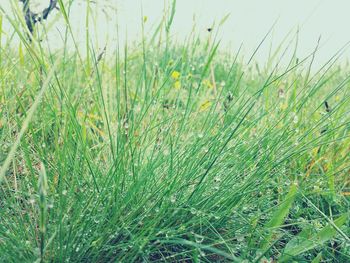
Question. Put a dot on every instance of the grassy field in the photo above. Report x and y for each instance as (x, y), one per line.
(170, 152)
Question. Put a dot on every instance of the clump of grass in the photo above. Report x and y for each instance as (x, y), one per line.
(171, 153)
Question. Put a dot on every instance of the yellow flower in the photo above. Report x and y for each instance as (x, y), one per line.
(283, 106)
(205, 105)
(177, 84)
(207, 83)
(175, 75)
(134, 96)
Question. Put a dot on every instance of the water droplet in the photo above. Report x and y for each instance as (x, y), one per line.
(199, 238)
(172, 199)
(202, 253)
(217, 179)
(240, 238)
(295, 118)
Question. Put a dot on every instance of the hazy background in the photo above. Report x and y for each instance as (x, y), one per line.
(249, 21)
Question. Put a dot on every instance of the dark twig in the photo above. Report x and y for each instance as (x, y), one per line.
(32, 18)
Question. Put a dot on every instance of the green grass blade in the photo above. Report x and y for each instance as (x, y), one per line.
(309, 239)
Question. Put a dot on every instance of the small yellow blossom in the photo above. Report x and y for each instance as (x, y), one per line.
(283, 106)
(207, 83)
(134, 96)
(177, 84)
(315, 151)
(175, 75)
(205, 105)
(145, 18)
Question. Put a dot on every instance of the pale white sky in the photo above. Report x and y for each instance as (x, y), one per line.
(249, 21)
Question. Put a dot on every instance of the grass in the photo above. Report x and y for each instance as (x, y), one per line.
(171, 153)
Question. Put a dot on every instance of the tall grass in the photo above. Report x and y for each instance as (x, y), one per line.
(170, 152)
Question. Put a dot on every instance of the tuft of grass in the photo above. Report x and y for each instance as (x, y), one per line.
(169, 152)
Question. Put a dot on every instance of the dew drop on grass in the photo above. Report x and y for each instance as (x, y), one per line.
(173, 199)
(202, 253)
(166, 152)
(199, 238)
(200, 135)
(240, 238)
(193, 211)
(182, 228)
(217, 179)
(295, 118)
